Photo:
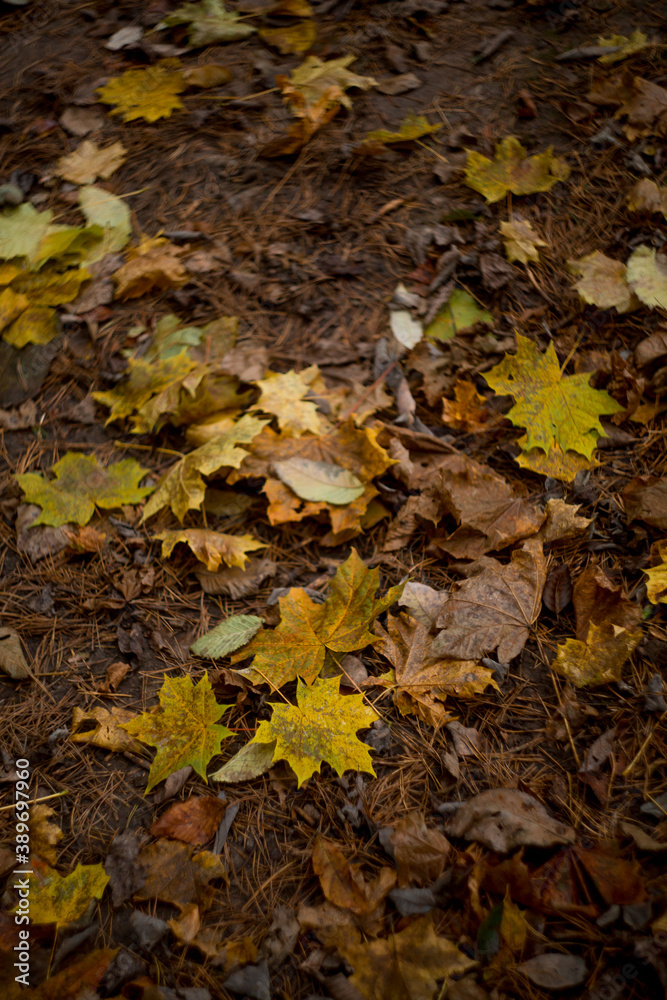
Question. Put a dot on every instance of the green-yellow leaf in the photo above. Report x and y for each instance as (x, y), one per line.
(512, 170)
(252, 760)
(50, 287)
(557, 410)
(319, 480)
(12, 304)
(183, 729)
(603, 282)
(621, 47)
(69, 244)
(36, 325)
(322, 726)
(80, 484)
(229, 635)
(297, 646)
(656, 588)
(61, 899)
(412, 127)
(460, 313)
(211, 547)
(22, 229)
(149, 93)
(292, 38)
(600, 658)
(182, 488)
(101, 208)
(209, 22)
(647, 276)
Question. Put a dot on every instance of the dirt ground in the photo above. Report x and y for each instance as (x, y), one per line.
(315, 245)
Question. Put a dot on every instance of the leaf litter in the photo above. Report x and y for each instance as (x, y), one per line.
(478, 679)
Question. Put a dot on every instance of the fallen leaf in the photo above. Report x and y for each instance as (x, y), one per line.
(80, 978)
(183, 730)
(107, 731)
(421, 853)
(521, 241)
(553, 970)
(422, 678)
(599, 601)
(504, 818)
(490, 514)
(647, 196)
(646, 500)
(621, 46)
(401, 84)
(558, 588)
(60, 899)
(208, 23)
(44, 835)
(600, 658)
(80, 484)
(101, 208)
(423, 602)
(333, 926)
(90, 161)
(562, 521)
(494, 608)
(194, 821)
(293, 38)
(412, 127)
(211, 547)
(405, 966)
(22, 230)
(222, 640)
(149, 93)
(81, 121)
(237, 582)
(642, 102)
(12, 657)
(512, 170)
(557, 410)
(322, 726)
(297, 646)
(176, 875)
(252, 760)
(315, 92)
(656, 588)
(319, 481)
(647, 276)
(468, 411)
(283, 396)
(461, 313)
(182, 487)
(343, 883)
(206, 77)
(115, 673)
(124, 37)
(35, 325)
(406, 330)
(154, 266)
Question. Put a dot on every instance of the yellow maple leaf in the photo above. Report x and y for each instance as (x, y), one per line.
(183, 729)
(468, 411)
(151, 392)
(90, 161)
(81, 484)
(297, 646)
(44, 835)
(322, 726)
(656, 588)
(513, 170)
(58, 899)
(559, 412)
(36, 325)
(153, 266)
(423, 681)
(149, 93)
(211, 547)
(49, 286)
(182, 487)
(600, 658)
(284, 397)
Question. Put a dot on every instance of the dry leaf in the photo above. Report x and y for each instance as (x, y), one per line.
(211, 547)
(421, 852)
(235, 582)
(468, 411)
(503, 819)
(521, 241)
(176, 875)
(12, 657)
(597, 600)
(90, 161)
(153, 266)
(600, 658)
(58, 899)
(344, 885)
(149, 93)
(107, 731)
(44, 835)
(194, 821)
(512, 170)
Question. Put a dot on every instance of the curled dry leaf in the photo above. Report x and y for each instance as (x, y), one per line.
(521, 241)
(494, 608)
(106, 732)
(646, 500)
(44, 835)
(237, 582)
(12, 657)
(503, 819)
(421, 853)
(468, 410)
(154, 266)
(176, 875)
(344, 885)
(211, 547)
(598, 600)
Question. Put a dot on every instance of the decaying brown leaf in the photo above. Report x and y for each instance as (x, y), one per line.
(176, 875)
(504, 818)
(494, 608)
(598, 600)
(421, 852)
(194, 821)
(344, 885)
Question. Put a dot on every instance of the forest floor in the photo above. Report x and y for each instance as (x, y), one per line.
(306, 250)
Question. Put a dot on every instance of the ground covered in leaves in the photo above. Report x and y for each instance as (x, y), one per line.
(332, 562)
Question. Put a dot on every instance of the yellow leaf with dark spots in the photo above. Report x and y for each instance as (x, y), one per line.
(183, 728)
(211, 547)
(513, 170)
(58, 899)
(656, 588)
(600, 658)
(322, 726)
